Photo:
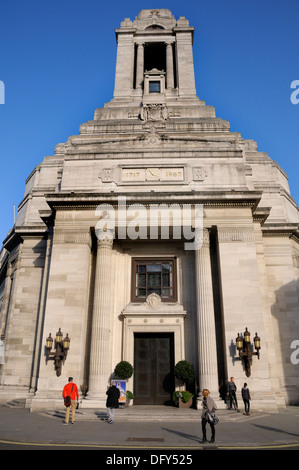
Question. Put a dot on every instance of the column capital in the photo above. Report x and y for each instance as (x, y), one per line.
(205, 239)
(105, 242)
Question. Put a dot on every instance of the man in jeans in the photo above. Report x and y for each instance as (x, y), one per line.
(231, 392)
(71, 390)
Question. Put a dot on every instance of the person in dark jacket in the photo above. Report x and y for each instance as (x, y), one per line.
(246, 398)
(231, 392)
(112, 402)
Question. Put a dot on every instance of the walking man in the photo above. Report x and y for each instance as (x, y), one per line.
(112, 402)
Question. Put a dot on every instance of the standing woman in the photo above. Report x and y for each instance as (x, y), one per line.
(208, 406)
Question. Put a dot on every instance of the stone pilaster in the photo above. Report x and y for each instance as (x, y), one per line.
(123, 72)
(242, 307)
(101, 335)
(169, 66)
(64, 304)
(185, 69)
(140, 66)
(208, 368)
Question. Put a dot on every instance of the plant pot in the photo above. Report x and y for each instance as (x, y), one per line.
(185, 405)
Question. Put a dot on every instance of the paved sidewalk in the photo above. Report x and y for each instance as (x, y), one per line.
(134, 430)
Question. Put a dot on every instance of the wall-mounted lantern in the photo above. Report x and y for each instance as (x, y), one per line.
(61, 349)
(245, 351)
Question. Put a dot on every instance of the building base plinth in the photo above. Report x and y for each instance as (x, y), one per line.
(94, 402)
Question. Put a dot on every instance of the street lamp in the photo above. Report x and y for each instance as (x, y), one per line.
(245, 352)
(62, 345)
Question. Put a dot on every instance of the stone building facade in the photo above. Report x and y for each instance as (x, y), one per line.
(155, 235)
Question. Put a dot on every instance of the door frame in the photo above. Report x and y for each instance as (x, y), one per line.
(142, 319)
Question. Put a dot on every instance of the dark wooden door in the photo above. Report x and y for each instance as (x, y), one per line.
(153, 366)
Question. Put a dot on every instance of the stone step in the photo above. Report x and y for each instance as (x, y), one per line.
(141, 414)
(17, 403)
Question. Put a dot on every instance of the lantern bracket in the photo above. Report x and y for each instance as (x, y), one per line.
(245, 349)
(62, 345)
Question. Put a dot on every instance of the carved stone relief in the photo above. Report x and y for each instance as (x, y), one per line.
(154, 112)
(153, 300)
(199, 173)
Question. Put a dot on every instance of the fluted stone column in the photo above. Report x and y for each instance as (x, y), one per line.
(101, 334)
(140, 66)
(169, 66)
(208, 368)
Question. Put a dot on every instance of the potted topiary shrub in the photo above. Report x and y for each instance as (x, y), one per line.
(184, 371)
(123, 370)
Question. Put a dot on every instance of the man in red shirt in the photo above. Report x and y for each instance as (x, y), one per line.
(70, 390)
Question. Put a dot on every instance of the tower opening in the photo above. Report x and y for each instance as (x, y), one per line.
(155, 56)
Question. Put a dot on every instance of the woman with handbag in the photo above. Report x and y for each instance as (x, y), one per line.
(71, 397)
(208, 415)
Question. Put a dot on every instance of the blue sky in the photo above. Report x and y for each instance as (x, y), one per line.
(57, 62)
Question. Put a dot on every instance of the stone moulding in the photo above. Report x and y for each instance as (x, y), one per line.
(290, 230)
(154, 305)
(88, 200)
(235, 234)
(73, 237)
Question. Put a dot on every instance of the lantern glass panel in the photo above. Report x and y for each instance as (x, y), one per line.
(66, 342)
(247, 336)
(59, 336)
(239, 342)
(257, 342)
(49, 342)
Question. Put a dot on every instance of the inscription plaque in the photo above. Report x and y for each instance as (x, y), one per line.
(131, 175)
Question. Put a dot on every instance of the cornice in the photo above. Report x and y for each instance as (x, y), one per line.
(88, 201)
(290, 230)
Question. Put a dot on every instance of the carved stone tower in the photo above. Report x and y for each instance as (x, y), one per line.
(154, 59)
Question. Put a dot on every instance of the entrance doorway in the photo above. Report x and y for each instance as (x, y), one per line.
(153, 368)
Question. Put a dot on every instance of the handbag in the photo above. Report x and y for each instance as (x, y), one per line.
(213, 418)
(67, 399)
